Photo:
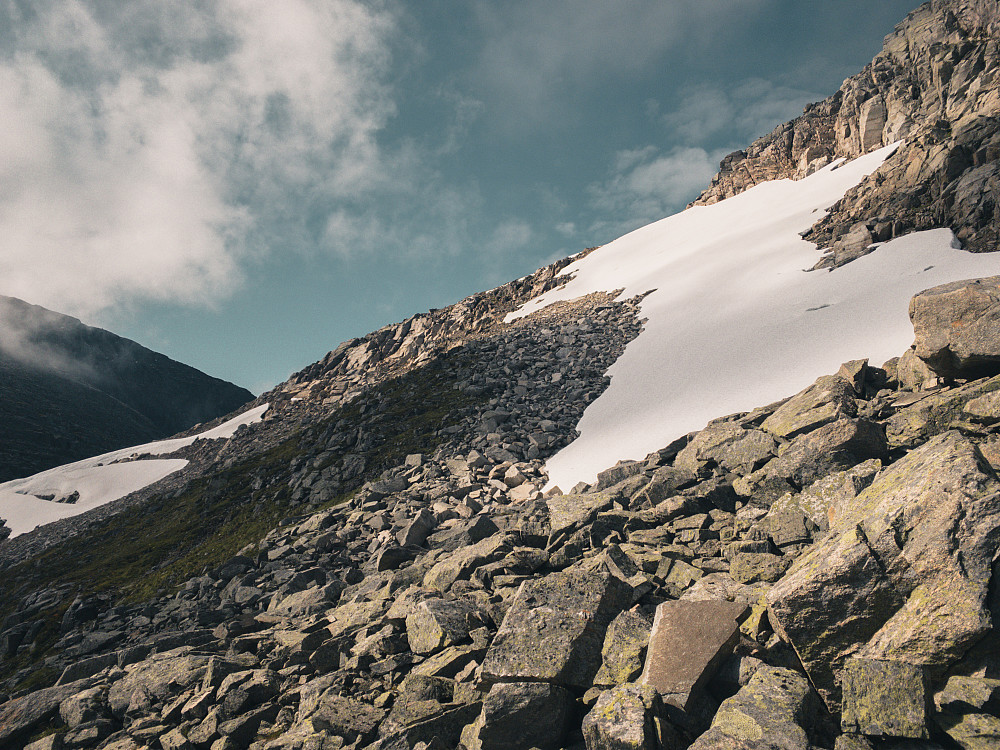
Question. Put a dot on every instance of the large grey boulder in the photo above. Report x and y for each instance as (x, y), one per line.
(830, 397)
(20, 717)
(436, 623)
(159, 676)
(903, 574)
(957, 327)
(521, 716)
(835, 446)
(554, 629)
(728, 445)
(689, 640)
(461, 563)
(568, 511)
(774, 711)
(884, 699)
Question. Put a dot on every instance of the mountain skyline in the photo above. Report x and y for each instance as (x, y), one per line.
(184, 177)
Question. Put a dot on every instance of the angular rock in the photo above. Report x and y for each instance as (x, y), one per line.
(972, 731)
(462, 562)
(884, 699)
(21, 716)
(624, 649)
(521, 716)
(688, 642)
(957, 327)
(775, 711)
(416, 531)
(903, 574)
(87, 705)
(627, 717)
(436, 623)
(566, 511)
(963, 694)
(346, 717)
(554, 629)
(830, 397)
(837, 445)
(751, 567)
(728, 445)
(159, 676)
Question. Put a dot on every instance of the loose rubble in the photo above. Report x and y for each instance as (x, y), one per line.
(816, 573)
(740, 588)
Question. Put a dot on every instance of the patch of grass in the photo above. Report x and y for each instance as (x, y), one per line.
(147, 549)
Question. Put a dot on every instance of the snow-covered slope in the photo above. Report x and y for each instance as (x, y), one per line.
(735, 321)
(100, 479)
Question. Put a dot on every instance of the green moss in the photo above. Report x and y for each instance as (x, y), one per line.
(147, 550)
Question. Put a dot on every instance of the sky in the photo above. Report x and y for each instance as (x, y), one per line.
(243, 184)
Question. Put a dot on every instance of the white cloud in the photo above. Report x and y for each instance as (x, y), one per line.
(538, 55)
(647, 185)
(148, 148)
(740, 113)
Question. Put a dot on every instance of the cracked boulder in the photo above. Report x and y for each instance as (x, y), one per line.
(774, 711)
(554, 630)
(903, 574)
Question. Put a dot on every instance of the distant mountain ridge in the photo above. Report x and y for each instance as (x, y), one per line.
(69, 391)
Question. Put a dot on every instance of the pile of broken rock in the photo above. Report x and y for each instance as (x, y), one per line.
(817, 573)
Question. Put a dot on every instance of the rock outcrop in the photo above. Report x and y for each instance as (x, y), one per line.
(935, 88)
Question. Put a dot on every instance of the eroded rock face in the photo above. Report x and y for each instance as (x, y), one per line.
(957, 327)
(934, 87)
(904, 574)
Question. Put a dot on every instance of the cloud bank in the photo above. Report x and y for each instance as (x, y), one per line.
(150, 148)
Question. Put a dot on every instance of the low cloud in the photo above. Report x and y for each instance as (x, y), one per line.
(150, 149)
(739, 114)
(538, 57)
(647, 185)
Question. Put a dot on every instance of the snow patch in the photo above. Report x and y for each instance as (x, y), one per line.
(735, 321)
(100, 479)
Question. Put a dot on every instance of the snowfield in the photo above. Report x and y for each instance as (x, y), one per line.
(99, 480)
(735, 321)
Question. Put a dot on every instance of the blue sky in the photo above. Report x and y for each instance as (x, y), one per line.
(243, 184)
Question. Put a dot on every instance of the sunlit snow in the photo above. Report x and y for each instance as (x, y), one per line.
(99, 480)
(735, 321)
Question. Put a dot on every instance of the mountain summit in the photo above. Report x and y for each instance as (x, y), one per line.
(663, 495)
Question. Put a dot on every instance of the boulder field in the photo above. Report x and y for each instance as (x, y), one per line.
(816, 573)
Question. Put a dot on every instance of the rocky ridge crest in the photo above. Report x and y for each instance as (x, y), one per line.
(935, 86)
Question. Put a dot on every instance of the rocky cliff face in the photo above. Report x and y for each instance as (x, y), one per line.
(936, 87)
(69, 391)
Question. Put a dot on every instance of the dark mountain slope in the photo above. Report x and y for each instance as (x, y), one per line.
(69, 391)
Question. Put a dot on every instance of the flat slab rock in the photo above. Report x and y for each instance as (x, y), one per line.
(689, 640)
(884, 699)
(554, 629)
